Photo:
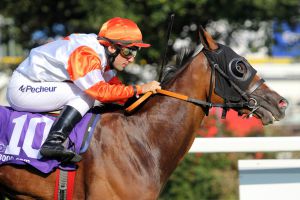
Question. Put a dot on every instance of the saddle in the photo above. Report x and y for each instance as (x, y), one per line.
(23, 133)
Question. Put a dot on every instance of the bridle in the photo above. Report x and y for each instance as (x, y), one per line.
(250, 102)
(247, 101)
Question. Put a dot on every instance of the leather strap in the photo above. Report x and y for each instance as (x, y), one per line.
(187, 99)
(148, 94)
(173, 94)
(254, 87)
(138, 102)
(64, 185)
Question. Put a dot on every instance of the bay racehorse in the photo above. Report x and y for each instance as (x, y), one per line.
(132, 156)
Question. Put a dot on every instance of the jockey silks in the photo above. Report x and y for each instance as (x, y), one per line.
(78, 58)
(29, 88)
(24, 94)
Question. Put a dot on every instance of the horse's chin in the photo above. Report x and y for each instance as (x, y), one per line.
(265, 116)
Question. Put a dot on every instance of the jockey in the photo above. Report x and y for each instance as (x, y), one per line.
(71, 73)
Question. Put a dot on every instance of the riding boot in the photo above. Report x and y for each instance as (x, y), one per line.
(60, 130)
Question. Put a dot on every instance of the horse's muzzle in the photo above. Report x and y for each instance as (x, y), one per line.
(283, 104)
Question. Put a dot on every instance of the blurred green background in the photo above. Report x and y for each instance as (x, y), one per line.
(31, 22)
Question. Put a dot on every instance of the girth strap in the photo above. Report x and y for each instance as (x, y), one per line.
(64, 185)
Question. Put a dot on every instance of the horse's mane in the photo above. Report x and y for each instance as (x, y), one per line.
(183, 58)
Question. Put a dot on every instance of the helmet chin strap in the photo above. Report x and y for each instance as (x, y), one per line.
(111, 56)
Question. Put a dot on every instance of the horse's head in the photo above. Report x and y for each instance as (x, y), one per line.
(238, 85)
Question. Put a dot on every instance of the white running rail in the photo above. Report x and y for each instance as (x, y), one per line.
(245, 144)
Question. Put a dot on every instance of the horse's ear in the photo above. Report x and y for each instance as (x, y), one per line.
(206, 40)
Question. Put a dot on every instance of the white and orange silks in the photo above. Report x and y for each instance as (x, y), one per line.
(72, 71)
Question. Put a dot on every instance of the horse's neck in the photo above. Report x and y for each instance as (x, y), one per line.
(173, 123)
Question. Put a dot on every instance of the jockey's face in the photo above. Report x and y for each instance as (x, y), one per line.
(120, 62)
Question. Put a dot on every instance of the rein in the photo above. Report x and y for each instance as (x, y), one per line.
(197, 102)
(249, 102)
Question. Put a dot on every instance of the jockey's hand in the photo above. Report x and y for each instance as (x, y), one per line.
(151, 86)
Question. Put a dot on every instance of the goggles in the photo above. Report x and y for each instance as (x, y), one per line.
(128, 52)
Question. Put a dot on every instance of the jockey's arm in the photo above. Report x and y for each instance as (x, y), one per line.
(84, 68)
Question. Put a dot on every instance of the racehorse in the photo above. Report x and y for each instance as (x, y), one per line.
(131, 156)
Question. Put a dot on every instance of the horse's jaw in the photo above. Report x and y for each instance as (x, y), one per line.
(265, 116)
(271, 108)
(268, 117)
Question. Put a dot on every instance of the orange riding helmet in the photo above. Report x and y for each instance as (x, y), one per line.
(121, 31)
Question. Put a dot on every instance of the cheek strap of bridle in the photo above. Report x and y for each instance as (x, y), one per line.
(244, 94)
(252, 103)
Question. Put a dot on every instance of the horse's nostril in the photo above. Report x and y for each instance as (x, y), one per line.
(283, 104)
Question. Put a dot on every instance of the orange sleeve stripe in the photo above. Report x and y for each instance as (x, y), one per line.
(81, 61)
(104, 92)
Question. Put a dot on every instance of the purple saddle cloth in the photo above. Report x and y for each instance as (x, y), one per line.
(23, 133)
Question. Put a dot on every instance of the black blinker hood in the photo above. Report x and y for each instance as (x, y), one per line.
(226, 58)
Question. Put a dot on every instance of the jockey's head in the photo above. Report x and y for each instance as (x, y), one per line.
(121, 36)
